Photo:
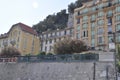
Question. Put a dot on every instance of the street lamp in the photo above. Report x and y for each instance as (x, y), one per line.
(115, 52)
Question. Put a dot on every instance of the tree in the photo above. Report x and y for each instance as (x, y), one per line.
(78, 3)
(68, 46)
(41, 54)
(78, 46)
(71, 8)
(52, 22)
(10, 52)
(62, 47)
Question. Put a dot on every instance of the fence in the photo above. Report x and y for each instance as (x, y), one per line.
(58, 58)
(53, 58)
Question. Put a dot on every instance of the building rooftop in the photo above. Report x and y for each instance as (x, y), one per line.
(26, 28)
(4, 35)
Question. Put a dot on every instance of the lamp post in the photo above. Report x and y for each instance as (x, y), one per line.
(94, 71)
(115, 59)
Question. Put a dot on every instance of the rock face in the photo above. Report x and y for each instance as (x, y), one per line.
(57, 71)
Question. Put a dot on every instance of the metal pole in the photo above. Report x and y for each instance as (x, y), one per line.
(107, 77)
(94, 70)
(114, 36)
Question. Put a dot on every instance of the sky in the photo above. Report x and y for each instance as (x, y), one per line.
(29, 12)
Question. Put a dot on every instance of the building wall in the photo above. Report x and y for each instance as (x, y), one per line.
(29, 43)
(56, 71)
(49, 38)
(25, 42)
(94, 20)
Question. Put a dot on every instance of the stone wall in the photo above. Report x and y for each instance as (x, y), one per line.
(56, 71)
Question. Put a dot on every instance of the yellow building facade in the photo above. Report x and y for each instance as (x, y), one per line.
(95, 21)
(22, 37)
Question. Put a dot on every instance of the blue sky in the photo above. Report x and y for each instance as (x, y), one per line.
(29, 12)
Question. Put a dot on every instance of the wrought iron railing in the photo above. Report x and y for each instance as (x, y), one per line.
(53, 58)
(59, 58)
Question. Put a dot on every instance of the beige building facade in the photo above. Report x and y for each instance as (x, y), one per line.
(95, 21)
(22, 37)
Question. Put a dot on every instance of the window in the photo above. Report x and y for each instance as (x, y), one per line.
(93, 43)
(100, 31)
(78, 35)
(109, 28)
(78, 28)
(85, 18)
(19, 32)
(110, 39)
(109, 14)
(117, 9)
(85, 34)
(65, 32)
(71, 31)
(50, 40)
(78, 13)
(54, 40)
(55, 34)
(118, 18)
(106, 4)
(100, 14)
(18, 39)
(78, 20)
(50, 34)
(84, 11)
(85, 26)
(100, 6)
(93, 33)
(93, 17)
(46, 41)
(93, 8)
(92, 36)
(117, 27)
(100, 39)
(46, 35)
(93, 26)
(45, 48)
(60, 33)
(109, 21)
(25, 43)
(118, 37)
(100, 22)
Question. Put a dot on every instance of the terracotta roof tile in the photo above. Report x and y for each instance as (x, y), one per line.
(27, 28)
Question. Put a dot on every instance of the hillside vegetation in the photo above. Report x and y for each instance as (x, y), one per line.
(58, 20)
